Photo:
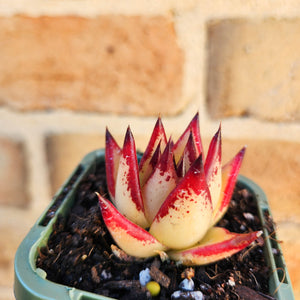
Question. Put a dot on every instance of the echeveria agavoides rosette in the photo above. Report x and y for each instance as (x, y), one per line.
(171, 200)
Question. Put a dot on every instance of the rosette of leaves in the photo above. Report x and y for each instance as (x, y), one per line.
(170, 201)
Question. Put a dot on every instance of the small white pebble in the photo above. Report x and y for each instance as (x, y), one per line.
(105, 275)
(196, 295)
(248, 216)
(144, 276)
(187, 285)
(243, 227)
(176, 294)
(231, 282)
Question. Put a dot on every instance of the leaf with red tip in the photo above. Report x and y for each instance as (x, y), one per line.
(160, 183)
(155, 157)
(158, 136)
(229, 176)
(131, 238)
(185, 216)
(213, 167)
(112, 158)
(180, 169)
(218, 243)
(188, 157)
(128, 196)
(181, 143)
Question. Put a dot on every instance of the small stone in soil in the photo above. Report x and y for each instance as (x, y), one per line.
(180, 295)
(187, 285)
(144, 276)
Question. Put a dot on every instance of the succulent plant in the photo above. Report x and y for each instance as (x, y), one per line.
(169, 201)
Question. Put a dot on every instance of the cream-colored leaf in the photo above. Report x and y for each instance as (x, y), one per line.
(184, 217)
(218, 243)
(131, 238)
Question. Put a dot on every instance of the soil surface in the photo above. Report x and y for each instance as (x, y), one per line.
(78, 254)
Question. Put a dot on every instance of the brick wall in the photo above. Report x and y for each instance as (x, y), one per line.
(70, 68)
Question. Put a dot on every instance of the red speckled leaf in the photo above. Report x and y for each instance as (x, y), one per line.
(213, 167)
(131, 238)
(188, 157)
(160, 183)
(158, 136)
(184, 217)
(218, 243)
(128, 196)
(229, 176)
(181, 143)
(112, 158)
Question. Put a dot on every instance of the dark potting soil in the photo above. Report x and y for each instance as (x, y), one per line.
(60, 198)
(78, 254)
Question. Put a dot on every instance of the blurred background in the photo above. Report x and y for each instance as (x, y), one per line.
(69, 68)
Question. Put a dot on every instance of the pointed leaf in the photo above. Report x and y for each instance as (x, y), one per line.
(155, 157)
(181, 143)
(128, 196)
(188, 157)
(184, 217)
(218, 243)
(213, 167)
(112, 158)
(160, 183)
(158, 136)
(180, 169)
(131, 238)
(229, 176)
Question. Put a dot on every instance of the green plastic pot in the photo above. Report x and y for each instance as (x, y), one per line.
(31, 283)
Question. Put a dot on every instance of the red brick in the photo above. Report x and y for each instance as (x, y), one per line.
(64, 153)
(275, 167)
(119, 64)
(254, 68)
(13, 180)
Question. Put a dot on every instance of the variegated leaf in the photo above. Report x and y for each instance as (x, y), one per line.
(112, 158)
(184, 217)
(128, 196)
(160, 183)
(158, 136)
(218, 243)
(181, 143)
(213, 167)
(131, 238)
(229, 176)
